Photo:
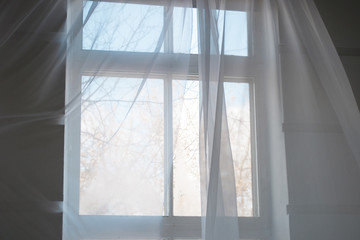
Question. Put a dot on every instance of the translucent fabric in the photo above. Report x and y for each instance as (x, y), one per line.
(322, 56)
(177, 121)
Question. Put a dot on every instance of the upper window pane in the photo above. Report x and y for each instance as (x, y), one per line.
(185, 30)
(113, 26)
(185, 26)
(236, 33)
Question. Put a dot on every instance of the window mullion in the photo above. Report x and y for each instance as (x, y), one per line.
(249, 19)
(168, 160)
(254, 162)
(168, 144)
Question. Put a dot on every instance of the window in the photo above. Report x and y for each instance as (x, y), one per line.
(116, 26)
(132, 166)
(115, 126)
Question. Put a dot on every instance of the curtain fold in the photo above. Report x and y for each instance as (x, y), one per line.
(322, 54)
(217, 170)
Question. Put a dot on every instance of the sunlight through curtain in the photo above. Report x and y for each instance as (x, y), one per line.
(183, 117)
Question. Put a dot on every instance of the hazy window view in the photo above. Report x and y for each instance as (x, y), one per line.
(186, 145)
(123, 162)
(237, 101)
(122, 146)
(186, 148)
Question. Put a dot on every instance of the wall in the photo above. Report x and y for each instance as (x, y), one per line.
(323, 177)
(32, 83)
(341, 19)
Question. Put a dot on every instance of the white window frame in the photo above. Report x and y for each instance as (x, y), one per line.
(86, 62)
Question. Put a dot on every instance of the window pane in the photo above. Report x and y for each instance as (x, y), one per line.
(236, 33)
(186, 145)
(122, 147)
(121, 26)
(238, 116)
(186, 148)
(186, 31)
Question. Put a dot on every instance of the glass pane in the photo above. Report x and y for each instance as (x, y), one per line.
(114, 26)
(236, 33)
(237, 102)
(186, 148)
(122, 146)
(186, 31)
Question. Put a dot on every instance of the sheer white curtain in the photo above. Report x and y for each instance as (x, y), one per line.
(292, 28)
(309, 36)
(131, 46)
(204, 102)
(218, 181)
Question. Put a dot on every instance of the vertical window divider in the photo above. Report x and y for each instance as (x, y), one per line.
(168, 145)
(249, 18)
(254, 160)
(168, 159)
(168, 21)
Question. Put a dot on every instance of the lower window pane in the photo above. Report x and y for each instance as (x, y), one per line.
(186, 148)
(237, 102)
(122, 146)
